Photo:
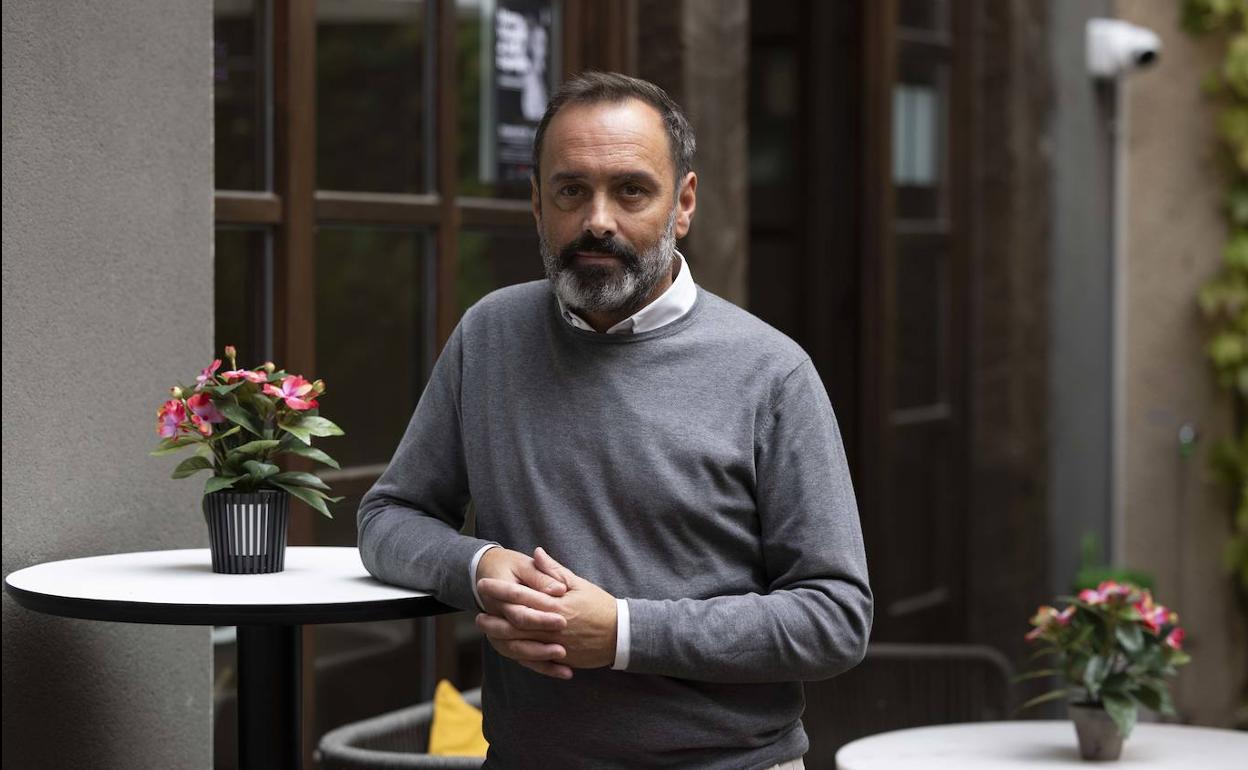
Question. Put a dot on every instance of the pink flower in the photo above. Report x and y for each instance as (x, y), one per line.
(169, 417)
(293, 390)
(202, 425)
(1174, 640)
(1063, 617)
(1106, 592)
(244, 374)
(203, 408)
(206, 375)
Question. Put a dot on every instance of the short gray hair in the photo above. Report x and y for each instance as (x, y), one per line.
(596, 87)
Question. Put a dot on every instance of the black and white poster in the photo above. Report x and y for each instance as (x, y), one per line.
(523, 46)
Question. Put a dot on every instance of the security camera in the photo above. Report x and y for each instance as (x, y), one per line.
(1118, 47)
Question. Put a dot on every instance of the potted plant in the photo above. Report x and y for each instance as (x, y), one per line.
(238, 422)
(1113, 648)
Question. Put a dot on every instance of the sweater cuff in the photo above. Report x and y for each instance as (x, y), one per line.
(623, 637)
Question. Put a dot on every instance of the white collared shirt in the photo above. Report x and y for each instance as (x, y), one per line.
(672, 304)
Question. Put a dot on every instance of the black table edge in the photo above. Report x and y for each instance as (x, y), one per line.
(233, 615)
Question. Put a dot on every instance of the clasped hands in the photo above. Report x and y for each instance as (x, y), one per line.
(541, 615)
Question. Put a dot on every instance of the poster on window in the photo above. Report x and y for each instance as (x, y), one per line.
(523, 46)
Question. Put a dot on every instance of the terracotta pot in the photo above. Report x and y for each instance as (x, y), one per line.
(247, 530)
(1099, 739)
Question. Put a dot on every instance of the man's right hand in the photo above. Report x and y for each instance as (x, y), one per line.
(534, 588)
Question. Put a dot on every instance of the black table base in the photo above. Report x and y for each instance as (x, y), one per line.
(270, 685)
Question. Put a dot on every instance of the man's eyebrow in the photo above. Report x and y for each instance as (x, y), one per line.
(640, 177)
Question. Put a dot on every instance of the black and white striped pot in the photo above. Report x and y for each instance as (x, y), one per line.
(247, 530)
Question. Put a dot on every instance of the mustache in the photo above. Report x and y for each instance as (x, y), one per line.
(587, 242)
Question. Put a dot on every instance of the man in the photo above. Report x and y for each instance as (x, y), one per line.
(677, 456)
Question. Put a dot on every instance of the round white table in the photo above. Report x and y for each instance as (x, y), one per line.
(318, 585)
(1040, 745)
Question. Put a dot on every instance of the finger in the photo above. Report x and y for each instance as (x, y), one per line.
(514, 593)
(547, 564)
(529, 619)
(534, 578)
(528, 650)
(498, 628)
(554, 670)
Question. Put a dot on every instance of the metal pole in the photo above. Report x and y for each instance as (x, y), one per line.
(269, 697)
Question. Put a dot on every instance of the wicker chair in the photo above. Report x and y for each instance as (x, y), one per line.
(905, 685)
(393, 741)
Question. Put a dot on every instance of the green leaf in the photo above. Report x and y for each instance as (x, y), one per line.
(312, 454)
(1131, 637)
(1035, 675)
(301, 479)
(1048, 696)
(240, 416)
(225, 390)
(228, 433)
(257, 446)
(1122, 710)
(169, 446)
(217, 483)
(309, 496)
(318, 426)
(260, 471)
(298, 431)
(190, 466)
(1094, 674)
(1154, 695)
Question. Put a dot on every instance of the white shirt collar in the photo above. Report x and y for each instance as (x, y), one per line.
(673, 303)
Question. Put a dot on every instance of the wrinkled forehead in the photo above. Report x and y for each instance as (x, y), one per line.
(607, 138)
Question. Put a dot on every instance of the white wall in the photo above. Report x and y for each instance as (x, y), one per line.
(107, 249)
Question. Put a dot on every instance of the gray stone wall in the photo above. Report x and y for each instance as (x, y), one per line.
(107, 292)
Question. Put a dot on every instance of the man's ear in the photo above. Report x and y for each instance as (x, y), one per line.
(686, 202)
(536, 199)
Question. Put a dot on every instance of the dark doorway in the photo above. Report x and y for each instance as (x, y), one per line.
(856, 253)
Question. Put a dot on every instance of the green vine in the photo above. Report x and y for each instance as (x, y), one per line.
(1224, 297)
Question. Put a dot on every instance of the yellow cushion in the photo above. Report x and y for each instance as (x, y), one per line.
(456, 728)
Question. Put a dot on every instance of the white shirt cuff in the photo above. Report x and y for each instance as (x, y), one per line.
(622, 638)
(472, 572)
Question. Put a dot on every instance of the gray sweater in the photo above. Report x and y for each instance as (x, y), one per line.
(695, 470)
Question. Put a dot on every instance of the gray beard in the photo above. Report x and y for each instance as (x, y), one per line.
(621, 288)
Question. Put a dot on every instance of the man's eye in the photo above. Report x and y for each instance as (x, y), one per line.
(570, 190)
(632, 191)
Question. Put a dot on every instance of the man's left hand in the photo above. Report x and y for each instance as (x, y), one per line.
(589, 637)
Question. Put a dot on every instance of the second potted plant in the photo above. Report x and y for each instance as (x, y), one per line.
(1113, 648)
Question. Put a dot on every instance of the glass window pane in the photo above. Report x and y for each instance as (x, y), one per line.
(926, 15)
(371, 335)
(239, 75)
(490, 260)
(507, 55)
(242, 309)
(373, 99)
(920, 137)
(921, 325)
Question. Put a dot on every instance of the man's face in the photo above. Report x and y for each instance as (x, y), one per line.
(607, 210)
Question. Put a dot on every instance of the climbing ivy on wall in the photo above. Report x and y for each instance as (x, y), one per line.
(1224, 297)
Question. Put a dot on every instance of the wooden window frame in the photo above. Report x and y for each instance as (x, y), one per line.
(594, 35)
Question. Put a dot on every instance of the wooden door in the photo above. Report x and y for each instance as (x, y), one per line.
(857, 253)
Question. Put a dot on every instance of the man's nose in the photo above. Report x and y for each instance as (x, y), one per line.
(599, 220)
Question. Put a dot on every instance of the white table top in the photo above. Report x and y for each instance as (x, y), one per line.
(318, 585)
(1040, 745)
